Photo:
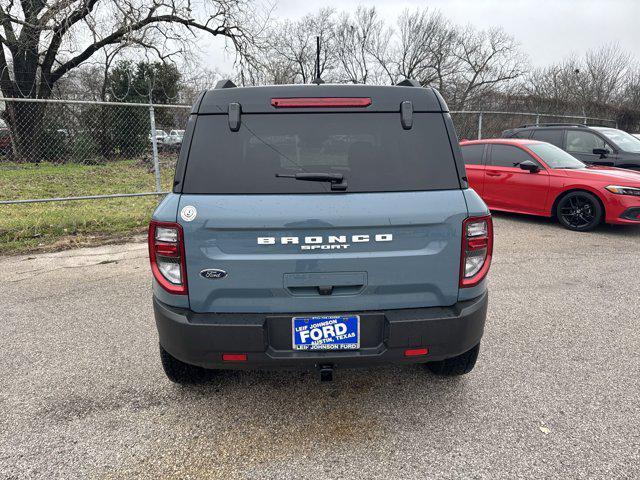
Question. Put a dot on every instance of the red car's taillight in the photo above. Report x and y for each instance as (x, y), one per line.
(477, 248)
(166, 253)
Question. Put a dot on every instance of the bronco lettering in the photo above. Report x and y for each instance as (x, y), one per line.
(333, 242)
(379, 237)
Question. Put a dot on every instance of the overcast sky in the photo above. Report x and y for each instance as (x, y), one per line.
(547, 30)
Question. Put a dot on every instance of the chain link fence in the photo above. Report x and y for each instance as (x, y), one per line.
(131, 141)
(121, 156)
(72, 134)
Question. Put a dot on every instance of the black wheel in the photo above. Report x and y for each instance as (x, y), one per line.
(459, 365)
(182, 373)
(579, 211)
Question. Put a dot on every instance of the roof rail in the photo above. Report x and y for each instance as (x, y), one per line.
(408, 82)
(225, 83)
(554, 125)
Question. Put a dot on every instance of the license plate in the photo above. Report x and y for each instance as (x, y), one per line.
(338, 332)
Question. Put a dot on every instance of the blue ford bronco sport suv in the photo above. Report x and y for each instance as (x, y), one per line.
(319, 226)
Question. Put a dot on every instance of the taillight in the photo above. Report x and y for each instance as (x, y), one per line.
(477, 248)
(166, 253)
(321, 102)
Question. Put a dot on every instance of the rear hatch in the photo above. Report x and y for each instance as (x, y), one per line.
(391, 239)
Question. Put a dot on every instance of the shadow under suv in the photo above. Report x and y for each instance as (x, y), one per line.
(592, 145)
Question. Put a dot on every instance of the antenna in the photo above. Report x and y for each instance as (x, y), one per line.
(318, 80)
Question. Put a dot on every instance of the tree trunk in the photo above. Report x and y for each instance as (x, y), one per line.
(30, 139)
(26, 123)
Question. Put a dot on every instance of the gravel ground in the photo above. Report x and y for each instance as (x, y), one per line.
(555, 393)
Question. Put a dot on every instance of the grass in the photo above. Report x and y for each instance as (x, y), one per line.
(57, 225)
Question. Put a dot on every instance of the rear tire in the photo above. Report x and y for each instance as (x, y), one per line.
(183, 373)
(579, 211)
(459, 365)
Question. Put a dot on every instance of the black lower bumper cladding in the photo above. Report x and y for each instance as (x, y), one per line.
(201, 339)
(632, 213)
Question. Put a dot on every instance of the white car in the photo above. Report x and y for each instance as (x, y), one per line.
(161, 137)
(174, 139)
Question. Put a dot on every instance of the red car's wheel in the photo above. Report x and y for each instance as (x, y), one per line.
(579, 211)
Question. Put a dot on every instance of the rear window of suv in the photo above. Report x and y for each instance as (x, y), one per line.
(371, 150)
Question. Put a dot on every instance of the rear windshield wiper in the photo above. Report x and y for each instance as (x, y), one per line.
(336, 179)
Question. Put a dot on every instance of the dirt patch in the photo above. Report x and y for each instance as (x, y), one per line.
(70, 242)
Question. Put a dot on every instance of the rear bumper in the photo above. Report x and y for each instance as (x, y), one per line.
(201, 339)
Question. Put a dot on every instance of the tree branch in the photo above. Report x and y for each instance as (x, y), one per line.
(59, 32)
(125, 30)
(10, 35)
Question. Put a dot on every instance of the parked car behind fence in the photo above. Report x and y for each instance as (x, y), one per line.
(174, 139)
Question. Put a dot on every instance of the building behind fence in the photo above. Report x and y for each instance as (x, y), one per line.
(62, 132)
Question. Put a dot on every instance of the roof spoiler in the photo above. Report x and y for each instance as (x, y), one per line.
(408, 82)
(225, 83)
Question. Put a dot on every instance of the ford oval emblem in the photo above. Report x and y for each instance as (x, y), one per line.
(213, 273)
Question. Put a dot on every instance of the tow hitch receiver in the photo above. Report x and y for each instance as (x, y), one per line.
(326, 373)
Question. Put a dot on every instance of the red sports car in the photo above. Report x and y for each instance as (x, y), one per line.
(537, 178)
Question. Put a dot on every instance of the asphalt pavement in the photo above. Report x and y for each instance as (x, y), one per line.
(555, 393)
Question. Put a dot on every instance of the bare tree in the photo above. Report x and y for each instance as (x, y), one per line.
(486, 61)
(360, 48)
(464, 64)
(425, 45)
(288, 51)
(407, 51)
(555, 88)
(296, 42)
(630, 96)
(602, 77)
(380, 49)
(42, 41)
(195, 80)
(605, 72)
(266, 67)
(355, 39)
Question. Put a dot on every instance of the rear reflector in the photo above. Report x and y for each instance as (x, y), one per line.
(234, 357)
(320, 102)
(415, 352)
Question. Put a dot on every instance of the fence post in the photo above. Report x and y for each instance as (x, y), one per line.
(537, 119)
(154, 143)
(480, 126)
